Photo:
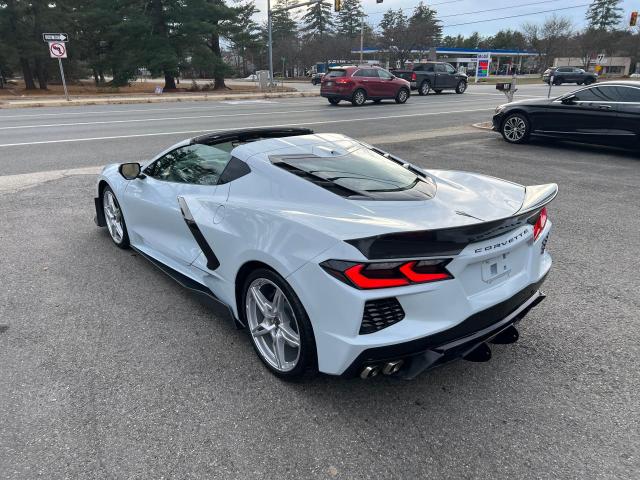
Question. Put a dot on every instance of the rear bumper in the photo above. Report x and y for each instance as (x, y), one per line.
(443, 347)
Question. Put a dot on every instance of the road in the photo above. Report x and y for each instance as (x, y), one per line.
(110, 370)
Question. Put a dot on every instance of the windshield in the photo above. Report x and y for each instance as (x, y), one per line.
(360, 173)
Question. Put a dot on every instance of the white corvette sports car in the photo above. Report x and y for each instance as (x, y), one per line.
(336, 256)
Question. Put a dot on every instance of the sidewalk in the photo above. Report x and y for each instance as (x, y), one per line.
(150, 98)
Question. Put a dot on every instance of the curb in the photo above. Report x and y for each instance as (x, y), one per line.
(158, 99)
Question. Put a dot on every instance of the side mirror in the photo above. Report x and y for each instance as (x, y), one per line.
(130, 171)
(569, 100)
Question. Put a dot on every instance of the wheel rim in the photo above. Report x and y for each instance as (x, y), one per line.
(359, 98)
(113, 216)
(514, 128)
(462, 86)
(425, 88)
(273, 325)
(402, 96)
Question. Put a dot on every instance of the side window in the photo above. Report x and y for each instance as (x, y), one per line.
(419, 68)
(384, 74)
(428, 68)
(440, 68)
(596, 94)
(628, 94)
(450, 68)
(196, 164)
(360, 73)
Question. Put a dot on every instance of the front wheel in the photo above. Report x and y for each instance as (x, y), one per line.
(515, 128)
(589, 81)
(278, 325)
(114, 218)
(461, 87)
(334, 101)
(402, 96)
(557, 81)
(359, 97)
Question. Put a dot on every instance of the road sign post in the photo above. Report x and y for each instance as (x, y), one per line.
(58, 49)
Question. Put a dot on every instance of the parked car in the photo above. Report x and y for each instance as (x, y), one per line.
(437, 76)
(569, 75)
(359, 84)
(607, 113)
(302, 238)
(316, 78)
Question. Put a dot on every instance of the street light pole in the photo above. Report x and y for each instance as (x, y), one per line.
(270, 42)
(361, 37)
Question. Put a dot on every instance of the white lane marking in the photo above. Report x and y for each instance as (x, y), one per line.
(196, 117)
(346, 120)
(144, 110)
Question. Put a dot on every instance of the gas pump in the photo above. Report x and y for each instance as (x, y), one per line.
(508, 88)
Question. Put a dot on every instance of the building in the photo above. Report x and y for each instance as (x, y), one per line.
(602, 65)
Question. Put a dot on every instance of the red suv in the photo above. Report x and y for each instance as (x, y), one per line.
(359, 84)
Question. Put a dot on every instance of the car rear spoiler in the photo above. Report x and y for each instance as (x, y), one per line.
(451, 241)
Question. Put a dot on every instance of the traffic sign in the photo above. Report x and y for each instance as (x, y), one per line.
(55, 37)
(57, 50)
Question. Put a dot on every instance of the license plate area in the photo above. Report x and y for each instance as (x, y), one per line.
(496, 268)
(329, 84)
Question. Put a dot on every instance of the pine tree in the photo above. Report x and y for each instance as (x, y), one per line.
(349, 18)
(318, 20)
(425, 27)
(604, 14)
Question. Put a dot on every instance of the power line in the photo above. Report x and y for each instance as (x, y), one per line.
(516, 16)
(495, 9)
(414, 6)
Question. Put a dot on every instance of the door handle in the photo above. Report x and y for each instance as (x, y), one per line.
(605, 107)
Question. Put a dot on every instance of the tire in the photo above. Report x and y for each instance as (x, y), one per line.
(461, 87)
(424, 88)
(589, 81)
(580, 83)
(557, 81)
(116, 226)
(334, 101)
(359, 97)
(438, 92)
(291, 362)
(516, 128)
(402, 96)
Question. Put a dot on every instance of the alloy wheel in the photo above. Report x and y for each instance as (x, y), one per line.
(273, 325)
(402, 96)
(359, 97)
(514, 128)
(113, 216)
(425, 88)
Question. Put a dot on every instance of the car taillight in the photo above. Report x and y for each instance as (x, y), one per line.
(343, 81)
(367, 276)
(538, 227)
(414, 77)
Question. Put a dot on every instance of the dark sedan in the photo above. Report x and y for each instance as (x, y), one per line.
(606, 114)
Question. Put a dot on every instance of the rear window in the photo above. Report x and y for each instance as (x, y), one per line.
(336, 73)
(360, 174)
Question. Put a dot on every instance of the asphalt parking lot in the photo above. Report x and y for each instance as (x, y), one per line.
(111, 370)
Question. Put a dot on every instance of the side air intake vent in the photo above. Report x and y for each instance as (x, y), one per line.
(379, 314)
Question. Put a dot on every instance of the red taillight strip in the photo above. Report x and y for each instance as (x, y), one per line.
(540, 223)
(416, 277)
(355, 275)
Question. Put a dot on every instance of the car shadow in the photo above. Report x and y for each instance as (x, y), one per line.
(577, 147)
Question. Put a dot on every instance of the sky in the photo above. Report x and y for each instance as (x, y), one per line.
(454, 12)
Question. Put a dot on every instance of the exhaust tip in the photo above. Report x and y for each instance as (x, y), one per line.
(390, 368)
(370, 371)
(482, 353)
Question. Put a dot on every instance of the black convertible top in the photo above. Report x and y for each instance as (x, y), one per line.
(249, 135)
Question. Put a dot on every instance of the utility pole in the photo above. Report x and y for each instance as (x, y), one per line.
(361, 37)
(270, 12)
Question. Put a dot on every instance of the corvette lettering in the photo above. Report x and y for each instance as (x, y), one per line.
(503, 243)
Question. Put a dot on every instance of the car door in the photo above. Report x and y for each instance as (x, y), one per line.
(627, 126)
(368, 79)
(441, 77)
(156, 215)
(586, 115)
(388, 87)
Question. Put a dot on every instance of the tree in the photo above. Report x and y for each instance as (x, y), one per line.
(349, 19)
(317, 21)
(397, 38)
(245, 36)
(548, 39)
(425, 27)
(604, 14)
